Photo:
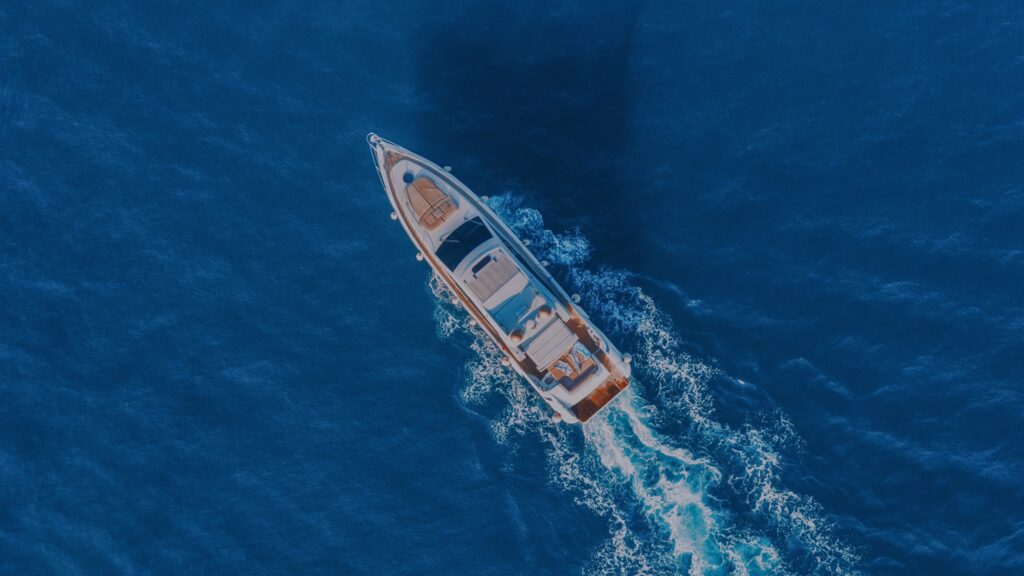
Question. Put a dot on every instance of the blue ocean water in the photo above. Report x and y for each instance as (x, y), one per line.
(804, 220)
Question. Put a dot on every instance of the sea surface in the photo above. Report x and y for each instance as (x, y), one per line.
(804, 220)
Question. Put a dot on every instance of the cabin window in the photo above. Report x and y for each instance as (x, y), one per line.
(462, 241)
(480, 265)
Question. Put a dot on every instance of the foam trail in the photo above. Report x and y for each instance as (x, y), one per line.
(625, 465)
(669, 483)
(750, 455)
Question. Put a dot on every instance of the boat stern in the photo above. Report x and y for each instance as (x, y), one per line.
(599, 397)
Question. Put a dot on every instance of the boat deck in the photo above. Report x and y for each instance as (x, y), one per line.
(429, 206)
(596, 400)
(603, 394)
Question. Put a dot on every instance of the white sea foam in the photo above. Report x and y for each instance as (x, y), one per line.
(625, 464)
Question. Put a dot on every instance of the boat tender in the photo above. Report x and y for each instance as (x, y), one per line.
(544, 334)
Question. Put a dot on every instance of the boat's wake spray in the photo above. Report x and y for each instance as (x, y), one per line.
(668, 508)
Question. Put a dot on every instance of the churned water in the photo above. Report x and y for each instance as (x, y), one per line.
(805, 222)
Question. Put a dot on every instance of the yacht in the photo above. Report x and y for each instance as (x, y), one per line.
(544, 334)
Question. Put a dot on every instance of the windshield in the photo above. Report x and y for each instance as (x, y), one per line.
(462, 241)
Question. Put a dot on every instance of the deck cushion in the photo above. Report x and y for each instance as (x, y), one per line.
(550, 344)
(429, 203)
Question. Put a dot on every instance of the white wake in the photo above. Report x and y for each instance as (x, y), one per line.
(664, 498)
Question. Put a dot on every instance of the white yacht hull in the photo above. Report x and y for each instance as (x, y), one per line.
(546, 337)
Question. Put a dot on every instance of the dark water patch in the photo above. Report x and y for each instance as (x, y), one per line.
(537, 101)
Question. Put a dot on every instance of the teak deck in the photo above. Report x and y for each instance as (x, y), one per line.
(596, 400)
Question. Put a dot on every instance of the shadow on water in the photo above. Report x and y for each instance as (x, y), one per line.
(538, 103)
